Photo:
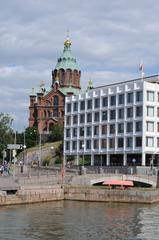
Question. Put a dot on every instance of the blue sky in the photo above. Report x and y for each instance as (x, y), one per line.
(109, 39)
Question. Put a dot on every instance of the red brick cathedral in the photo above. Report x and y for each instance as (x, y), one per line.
(47, 107)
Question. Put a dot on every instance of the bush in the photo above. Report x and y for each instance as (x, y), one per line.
(59, 160)
(46, 162)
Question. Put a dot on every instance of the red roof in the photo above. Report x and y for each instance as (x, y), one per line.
(118, 182)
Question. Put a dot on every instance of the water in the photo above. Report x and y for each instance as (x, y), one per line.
(79, 221)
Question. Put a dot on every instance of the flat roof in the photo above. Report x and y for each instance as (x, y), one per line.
(151, 79)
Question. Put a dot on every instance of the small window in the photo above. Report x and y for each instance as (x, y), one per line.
(129, 112)
(120, 142)
(75, 106)
(112, 114)
(149, 142)
(104, 116)
(130, 97)
(120, 127)
(89, 104)
(112, 128)
(150, 126)
(104, 101)
(138, 142)
(69, 107)
(129, 142)
(82, 105)
(112, 100)
(89, 117)
(96, 116)
(121, 113)
(97, 103)
(139, 96)
(150, 111)
(139, 111)
(150, 96)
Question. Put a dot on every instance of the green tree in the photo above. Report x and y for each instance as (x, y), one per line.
(31, 136)
(6, 132)
(57, 132)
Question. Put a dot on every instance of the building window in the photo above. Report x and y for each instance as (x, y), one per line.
(56, 101)
(88, 144)
(67, 145)
(150, 96)
(112, 143)
(121, 99)
(157, 127)
(129, 112)
(121, 113)
(82, 105)
(104, 129)
(89, 104)
(89, 117)
(139, 111)
(149, 142)
(158, 142)
(129, 127)
(104, 101)
(150, 111)
(103, 143)
(120, 142)
(75, 119)
(112, 100)
(96, 130)
(96, 103)
(139, 96)
(68, 120)
(96, 116)
(138, 142)
(75, 106)
(129, 142)
(104, 116)
(150, 127)
(81, 133)
(89, 131)
(130, 97)
(112, 128)
(138, 126)
(112, 114)
(120, 127)
(81, 118)
(68, 132)
(74, 145)
(74, 132)
(81, 145)
(96, 144)
(69, 107)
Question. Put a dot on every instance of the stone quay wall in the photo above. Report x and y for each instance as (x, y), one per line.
(32, 194)
(114, 195)
(45, 193)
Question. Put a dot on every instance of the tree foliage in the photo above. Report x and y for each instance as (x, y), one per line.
(57, 132)
(31, 136)
(6, 132)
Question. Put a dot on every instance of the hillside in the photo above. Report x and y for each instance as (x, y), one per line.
(48, 153)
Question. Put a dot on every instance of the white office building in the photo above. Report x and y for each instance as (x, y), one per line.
(114, 124)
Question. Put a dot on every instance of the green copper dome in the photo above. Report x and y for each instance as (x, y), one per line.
(67, 61)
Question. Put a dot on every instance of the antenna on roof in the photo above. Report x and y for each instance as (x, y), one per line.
(141, 69)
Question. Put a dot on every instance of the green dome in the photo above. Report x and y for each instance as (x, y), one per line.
(67, 61)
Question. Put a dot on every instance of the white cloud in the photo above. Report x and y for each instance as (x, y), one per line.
(109, 38)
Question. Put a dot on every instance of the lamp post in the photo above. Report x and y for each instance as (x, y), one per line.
(83, 146)
(101, 162)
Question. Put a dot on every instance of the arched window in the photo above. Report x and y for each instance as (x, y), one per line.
(56, 101)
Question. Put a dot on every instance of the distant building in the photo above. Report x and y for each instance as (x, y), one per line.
(47, 107)
(116, 124)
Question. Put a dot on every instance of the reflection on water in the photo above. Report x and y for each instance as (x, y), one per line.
(72, 220)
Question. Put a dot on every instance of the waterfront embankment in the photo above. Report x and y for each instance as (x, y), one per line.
(45, 193)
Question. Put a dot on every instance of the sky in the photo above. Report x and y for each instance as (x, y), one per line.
(109, 40)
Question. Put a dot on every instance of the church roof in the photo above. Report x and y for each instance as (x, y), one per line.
(67, 61)
(66, 90)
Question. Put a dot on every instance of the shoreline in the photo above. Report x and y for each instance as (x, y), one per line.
(47, 193)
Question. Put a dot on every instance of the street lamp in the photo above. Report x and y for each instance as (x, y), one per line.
(83, 146)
